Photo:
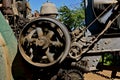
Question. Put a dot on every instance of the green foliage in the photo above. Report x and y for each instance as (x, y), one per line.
(72, 18)
(111, 59)
(108, 59)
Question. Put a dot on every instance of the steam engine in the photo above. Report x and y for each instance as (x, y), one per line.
(48, 51)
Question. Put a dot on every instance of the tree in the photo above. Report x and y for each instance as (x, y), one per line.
(72, 18)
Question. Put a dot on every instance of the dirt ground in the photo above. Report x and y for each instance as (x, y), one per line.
(102, 75)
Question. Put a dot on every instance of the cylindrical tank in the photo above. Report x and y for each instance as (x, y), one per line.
(48, 8)
(104, 1)
(95, 28)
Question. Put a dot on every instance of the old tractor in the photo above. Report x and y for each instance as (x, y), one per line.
(44, 49)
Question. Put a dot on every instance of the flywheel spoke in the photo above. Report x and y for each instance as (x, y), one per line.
(50, 34)
(29, 36)
(39, 32)
(49, 55)
(57, 43)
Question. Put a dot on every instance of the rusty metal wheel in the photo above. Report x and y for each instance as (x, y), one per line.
(75, 51)
(44, 42)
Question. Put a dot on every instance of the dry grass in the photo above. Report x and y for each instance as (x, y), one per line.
(104, 75)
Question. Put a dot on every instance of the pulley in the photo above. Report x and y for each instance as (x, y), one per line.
(44, 42)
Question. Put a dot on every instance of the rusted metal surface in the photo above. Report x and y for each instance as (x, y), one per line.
(88, 63)
(46, 44)
(6, 3)
(17, 14)
(37, 37)
(106, 45)
(7, 9)
(48, 8)
(37, 42)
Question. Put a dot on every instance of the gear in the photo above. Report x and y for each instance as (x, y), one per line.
(75, 51)
(73, 74)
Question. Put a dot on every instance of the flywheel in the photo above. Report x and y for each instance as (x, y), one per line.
(44, 42)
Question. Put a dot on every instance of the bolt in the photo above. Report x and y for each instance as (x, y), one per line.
(97, 59)
(94, 60)
(88, 66)
(93, 65)
(102, 48)
(106, 42)
(87, 59)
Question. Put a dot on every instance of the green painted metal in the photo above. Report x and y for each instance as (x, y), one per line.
(8, 49)
(2, 65)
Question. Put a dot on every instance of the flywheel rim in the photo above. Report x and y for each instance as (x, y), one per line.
(62, 55)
